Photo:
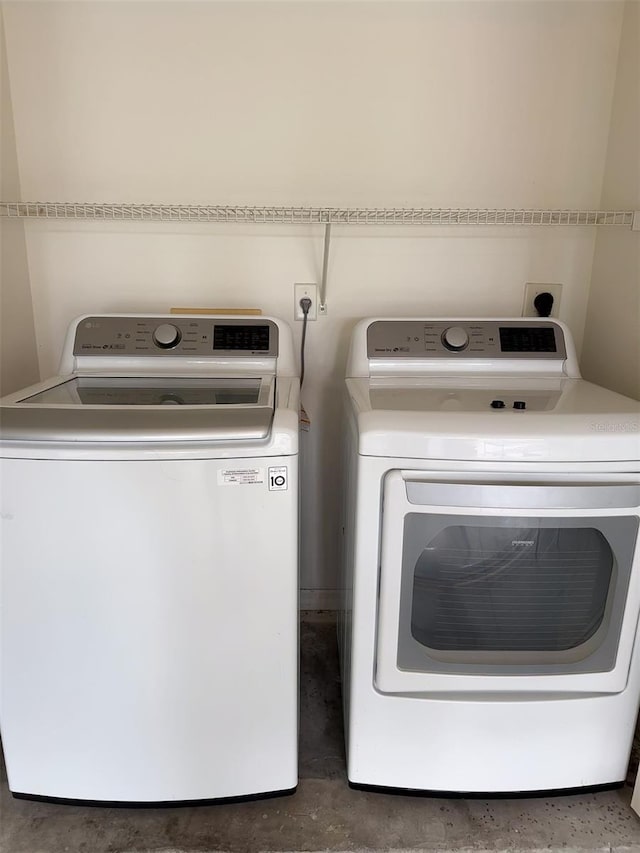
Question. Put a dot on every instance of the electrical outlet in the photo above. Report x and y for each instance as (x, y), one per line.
(533, 289)
(299, 292)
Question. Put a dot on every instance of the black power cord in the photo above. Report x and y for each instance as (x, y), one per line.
(305, 304)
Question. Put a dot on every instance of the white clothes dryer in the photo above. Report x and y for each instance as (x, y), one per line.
(149, 574)
(488, 632)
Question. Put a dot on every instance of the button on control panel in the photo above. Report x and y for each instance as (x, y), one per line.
(192, 337)
(518, 405)
(472, 339)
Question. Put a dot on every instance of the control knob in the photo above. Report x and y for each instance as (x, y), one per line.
(455, 338)
(166, 336)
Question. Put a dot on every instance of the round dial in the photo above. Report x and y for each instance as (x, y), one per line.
(166, 336)
(455, 338)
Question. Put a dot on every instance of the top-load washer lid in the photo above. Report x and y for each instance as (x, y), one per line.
(152, 391)
(149, 408)
(162, 378)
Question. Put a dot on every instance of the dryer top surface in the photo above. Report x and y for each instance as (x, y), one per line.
(482, 389)
(484, 418)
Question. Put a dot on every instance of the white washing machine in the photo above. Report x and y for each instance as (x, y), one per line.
(492, 568)
(149, 575)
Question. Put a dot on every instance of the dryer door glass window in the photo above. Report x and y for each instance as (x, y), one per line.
(497, 594)
(514, 589)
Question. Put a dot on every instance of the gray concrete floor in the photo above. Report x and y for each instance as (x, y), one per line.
(325, 814)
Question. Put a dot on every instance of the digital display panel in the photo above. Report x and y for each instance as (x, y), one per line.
(527, 339)
(241, 337)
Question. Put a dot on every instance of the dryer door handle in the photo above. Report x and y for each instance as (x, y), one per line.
(523, 496)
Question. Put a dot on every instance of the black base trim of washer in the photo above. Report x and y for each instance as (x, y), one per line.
(160, 804)
(487, 795)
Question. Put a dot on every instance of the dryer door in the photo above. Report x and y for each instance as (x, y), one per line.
(507, 586)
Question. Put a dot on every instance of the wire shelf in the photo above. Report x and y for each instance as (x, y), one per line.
(312, 215)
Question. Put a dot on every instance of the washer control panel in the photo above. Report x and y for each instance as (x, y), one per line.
(189, 337)
(488, 339)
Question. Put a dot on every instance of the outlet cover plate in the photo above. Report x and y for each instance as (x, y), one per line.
(299, 292)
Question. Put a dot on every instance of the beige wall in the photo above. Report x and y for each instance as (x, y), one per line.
(434, 103)
(18, 357)
(488, 104)
(611, 354)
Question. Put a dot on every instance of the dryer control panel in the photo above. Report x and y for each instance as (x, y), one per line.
(176, 336)
(475, 339)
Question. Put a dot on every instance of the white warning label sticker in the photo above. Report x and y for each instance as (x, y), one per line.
(240, 476)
